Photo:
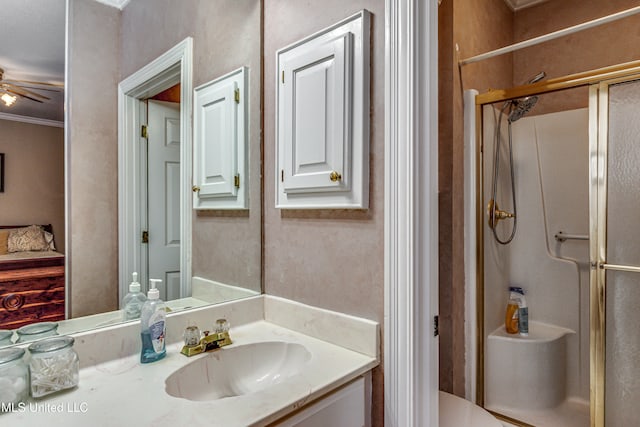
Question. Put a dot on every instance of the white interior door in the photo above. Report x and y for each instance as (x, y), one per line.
(164, 196)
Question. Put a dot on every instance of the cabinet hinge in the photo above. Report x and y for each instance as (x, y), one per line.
(282, 175)
(145, 237)
(236, 95)
(236, 181)
(436, 330)
(143, 132)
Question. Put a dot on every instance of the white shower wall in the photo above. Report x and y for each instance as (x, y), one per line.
(552, 191)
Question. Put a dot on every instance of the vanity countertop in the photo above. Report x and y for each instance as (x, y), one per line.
(124, 392)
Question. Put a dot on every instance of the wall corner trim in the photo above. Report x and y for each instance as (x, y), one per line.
(411, 213)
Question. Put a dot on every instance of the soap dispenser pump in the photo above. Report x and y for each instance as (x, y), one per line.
(153, 325)
(133, 301)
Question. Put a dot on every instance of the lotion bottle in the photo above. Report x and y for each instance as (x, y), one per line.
(133, 301)
(153, 325)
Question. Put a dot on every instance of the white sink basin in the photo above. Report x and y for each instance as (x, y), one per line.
(236, 371)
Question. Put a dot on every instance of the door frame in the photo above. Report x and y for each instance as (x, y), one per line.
(172, 67)
(411, 214)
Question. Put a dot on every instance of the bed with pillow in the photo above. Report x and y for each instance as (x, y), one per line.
(31, 276)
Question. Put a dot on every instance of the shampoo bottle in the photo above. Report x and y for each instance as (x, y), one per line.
(153, 324)
(512, 312)
(133, 301)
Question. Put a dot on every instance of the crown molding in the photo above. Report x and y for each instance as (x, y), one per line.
(517, 5)
(32, 120)
(118, 4)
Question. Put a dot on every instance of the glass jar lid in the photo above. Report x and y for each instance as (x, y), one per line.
(51, 344)
(37, 328)
(10, 354)
(5, 334)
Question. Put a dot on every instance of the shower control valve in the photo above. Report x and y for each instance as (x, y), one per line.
(495, 214)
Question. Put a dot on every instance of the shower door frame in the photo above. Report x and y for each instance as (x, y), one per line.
(598, 82)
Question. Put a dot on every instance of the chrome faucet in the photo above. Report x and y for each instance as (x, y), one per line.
(209, 342)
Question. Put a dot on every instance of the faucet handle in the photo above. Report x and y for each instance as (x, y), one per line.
(191, 336)
(222, 325)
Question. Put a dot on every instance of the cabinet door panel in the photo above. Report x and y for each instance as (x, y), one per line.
(317, 135)
(218, 157)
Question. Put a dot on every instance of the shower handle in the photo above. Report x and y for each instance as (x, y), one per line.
(495, 214)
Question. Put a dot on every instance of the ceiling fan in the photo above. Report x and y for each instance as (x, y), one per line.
(11, 89)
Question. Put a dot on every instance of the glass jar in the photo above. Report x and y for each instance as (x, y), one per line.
(14, 378)
(54, 365)
(5, 337)
(35, 331)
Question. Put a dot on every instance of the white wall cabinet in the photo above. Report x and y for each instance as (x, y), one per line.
(322, 152)
(349, 406)
(220, 143)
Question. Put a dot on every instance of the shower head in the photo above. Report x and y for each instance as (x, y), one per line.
(521, 107)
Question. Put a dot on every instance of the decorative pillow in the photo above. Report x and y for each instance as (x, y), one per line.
(49, 238)
(27, 239)
(4, 235)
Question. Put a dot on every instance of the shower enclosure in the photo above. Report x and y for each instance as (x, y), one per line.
(576, 251)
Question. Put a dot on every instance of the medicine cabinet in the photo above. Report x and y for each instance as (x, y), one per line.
(322, 151)
(220, 143)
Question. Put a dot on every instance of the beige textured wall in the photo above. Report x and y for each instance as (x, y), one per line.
(34, 176)
(609, 44)
(475, 27)
(93, 153)
(226, 33)
(329, 259)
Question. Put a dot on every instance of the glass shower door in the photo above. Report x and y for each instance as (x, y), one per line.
(616, 257)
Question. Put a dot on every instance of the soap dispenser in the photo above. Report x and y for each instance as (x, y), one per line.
(133, 301)
(153, 325)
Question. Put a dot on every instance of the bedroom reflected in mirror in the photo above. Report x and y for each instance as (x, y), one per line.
(32, 165)
(31, 276)
(61, 137)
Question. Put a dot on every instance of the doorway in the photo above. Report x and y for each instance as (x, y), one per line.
(171, 68)
(160, 184)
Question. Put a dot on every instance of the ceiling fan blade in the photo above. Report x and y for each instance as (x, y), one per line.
(24, 91)
(31, 82)
(56, 89)
(21, 94)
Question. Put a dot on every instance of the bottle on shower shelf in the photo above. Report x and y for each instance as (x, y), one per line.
(523, 314)
(512, 313)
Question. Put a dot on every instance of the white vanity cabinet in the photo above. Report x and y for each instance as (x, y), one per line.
(220, 143)
(323, 118)
(349, 406)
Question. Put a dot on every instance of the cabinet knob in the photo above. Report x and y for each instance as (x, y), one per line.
(195, 189)
(335, 176)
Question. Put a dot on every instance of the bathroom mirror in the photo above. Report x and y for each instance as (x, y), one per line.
(107, 44)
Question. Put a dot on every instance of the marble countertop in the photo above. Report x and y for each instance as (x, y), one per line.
(124, 392)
